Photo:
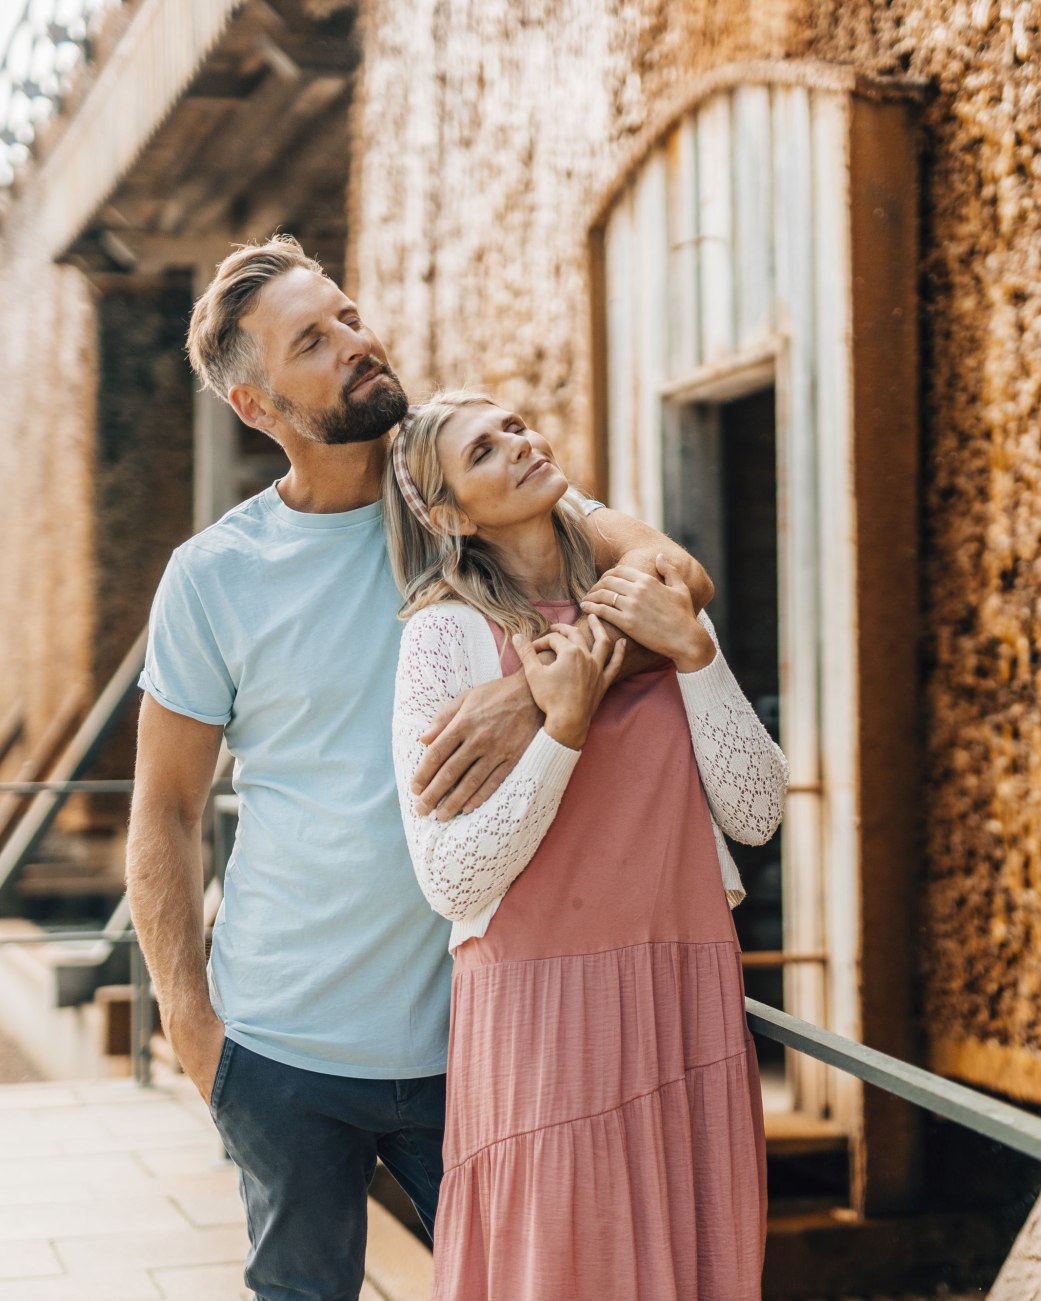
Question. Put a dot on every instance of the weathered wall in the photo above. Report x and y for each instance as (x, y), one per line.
(47, 325)
(486, 131)
(143, 469)
(96, 458)
(981, 282)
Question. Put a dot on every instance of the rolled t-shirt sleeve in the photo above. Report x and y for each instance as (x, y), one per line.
(184, 668)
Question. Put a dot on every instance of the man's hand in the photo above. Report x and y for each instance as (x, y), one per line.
(198, 1045)
(474, 743)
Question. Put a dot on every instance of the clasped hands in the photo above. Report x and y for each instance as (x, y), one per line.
(476, 740)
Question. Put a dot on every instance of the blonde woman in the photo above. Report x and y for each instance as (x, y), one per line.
(604, 1130)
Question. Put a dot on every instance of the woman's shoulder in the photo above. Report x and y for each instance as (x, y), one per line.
(452, 628)
(446, 622)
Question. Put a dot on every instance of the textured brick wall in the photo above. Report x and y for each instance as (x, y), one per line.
(981, 281)
(487, 131)
(96, 460)
(46, 466)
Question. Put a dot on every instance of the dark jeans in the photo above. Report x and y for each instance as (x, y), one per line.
(306, 1146)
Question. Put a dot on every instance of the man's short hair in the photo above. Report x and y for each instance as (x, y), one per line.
(221, 352)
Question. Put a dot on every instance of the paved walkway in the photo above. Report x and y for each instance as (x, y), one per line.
(113, 1193)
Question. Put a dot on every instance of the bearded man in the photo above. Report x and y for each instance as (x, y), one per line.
(318, 1033)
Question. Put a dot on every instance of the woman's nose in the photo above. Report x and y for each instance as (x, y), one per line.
(522, 447)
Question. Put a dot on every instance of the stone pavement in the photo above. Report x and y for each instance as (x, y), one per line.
(113, 1193)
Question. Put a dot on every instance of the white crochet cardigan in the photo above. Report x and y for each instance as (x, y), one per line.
(466, 865)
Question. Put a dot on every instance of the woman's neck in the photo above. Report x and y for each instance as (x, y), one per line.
(531, 552)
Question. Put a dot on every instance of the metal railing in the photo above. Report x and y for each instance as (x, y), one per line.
(142, 1023)
(44, 45)
(1001, 1121)
(1012, 1126)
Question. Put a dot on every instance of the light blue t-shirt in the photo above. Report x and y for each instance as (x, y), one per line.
(282, 627)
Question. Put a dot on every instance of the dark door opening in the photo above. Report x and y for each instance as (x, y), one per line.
(721, 503)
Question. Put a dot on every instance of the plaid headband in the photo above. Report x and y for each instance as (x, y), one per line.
(406, 483)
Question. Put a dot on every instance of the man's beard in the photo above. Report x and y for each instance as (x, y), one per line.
(350, 420)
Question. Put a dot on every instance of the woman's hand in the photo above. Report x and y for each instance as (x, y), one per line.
(569, 689)
(658, 614)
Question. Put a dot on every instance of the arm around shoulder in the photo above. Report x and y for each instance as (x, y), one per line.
(619, 539)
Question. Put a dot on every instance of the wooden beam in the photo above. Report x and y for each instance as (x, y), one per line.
(885, 399)
(159, 53)
(256, 138)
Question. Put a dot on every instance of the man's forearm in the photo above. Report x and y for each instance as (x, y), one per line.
(164, 889)
(619, 539)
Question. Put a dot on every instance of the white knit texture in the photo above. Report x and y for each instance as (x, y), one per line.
(466, 865)
(744, 773)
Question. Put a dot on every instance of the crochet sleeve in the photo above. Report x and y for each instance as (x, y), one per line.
(744, 773)
(470, 861)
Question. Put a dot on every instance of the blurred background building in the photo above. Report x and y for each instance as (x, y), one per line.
(768, 274)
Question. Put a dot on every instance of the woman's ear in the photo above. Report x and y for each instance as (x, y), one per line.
(452, 521)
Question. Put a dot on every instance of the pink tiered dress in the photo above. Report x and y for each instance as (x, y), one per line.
(604, 1136)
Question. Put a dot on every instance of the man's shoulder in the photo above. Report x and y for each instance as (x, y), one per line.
(239, 533)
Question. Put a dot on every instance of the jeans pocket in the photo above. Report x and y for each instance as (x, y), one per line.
(223, 1063)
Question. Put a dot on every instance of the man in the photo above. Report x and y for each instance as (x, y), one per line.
(318, 1035)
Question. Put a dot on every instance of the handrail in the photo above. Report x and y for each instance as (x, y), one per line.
(115, 786)
(1007, 1124)
(1012, 1126)
(74, 760)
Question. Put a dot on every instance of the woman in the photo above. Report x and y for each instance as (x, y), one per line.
(604, 1131)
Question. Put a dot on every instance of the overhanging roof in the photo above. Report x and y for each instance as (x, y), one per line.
(213, 120)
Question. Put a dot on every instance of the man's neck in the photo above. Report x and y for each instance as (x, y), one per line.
(327, 479)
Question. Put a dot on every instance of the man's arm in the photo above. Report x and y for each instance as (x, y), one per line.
(176, 758)
(476, 740)
(621, 540)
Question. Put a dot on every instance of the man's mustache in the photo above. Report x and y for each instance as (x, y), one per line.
(364, 368)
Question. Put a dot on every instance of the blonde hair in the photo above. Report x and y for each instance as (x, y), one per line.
(435, 566)
(221, 352)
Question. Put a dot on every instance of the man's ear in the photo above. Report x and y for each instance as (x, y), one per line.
(253, 407)
(452, 521)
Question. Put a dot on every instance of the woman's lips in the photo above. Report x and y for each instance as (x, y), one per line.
(539, 465)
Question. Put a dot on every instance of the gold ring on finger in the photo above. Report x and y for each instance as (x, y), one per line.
(614, 601)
